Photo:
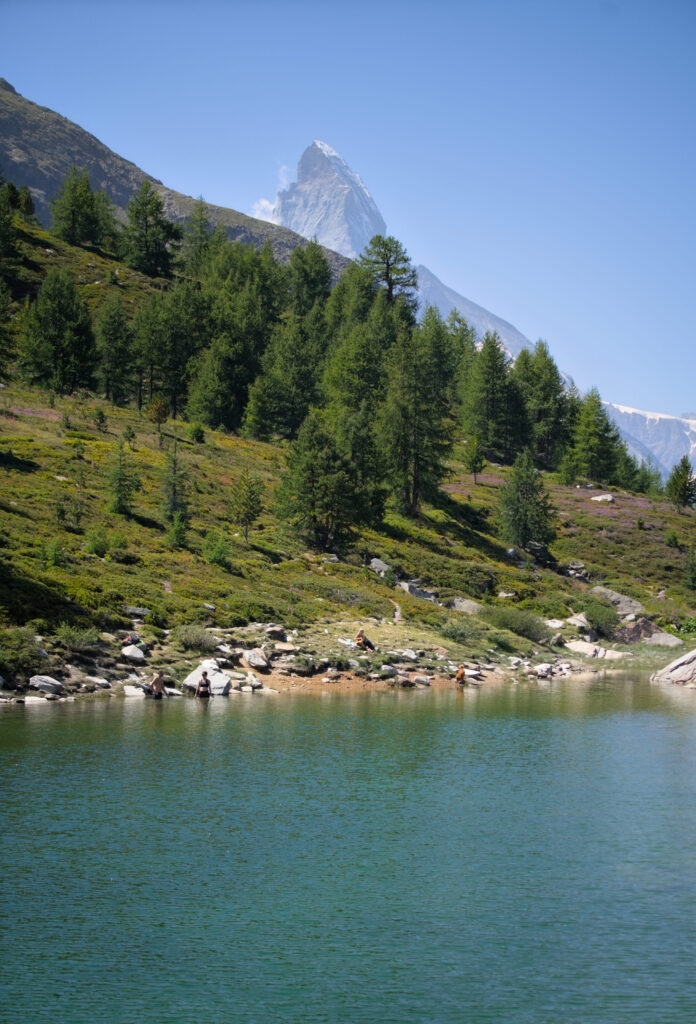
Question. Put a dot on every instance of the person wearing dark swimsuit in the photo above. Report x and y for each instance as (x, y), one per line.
(203, 689)
(157, 686)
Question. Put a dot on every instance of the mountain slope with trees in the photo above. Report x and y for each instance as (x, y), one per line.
(227, 429)
(39, 147)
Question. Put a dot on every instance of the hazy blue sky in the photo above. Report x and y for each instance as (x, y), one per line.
(538, 156)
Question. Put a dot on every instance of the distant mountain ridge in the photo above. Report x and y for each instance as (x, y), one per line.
(38, 147)
(431, 290)
(665, 438)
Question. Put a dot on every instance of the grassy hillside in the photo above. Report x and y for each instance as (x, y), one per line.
(65, 558)
(54, 527)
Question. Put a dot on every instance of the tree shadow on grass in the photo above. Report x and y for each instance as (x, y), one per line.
(146, 521)
(27, 598)
(8, 460)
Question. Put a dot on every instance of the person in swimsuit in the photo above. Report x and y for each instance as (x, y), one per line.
(157, 686)
(203, 689)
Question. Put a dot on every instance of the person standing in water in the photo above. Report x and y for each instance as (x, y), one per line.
(203, 689)
(157, 686)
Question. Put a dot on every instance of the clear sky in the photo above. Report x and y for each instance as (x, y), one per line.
(537, 155)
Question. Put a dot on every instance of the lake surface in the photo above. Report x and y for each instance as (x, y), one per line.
(518, 855)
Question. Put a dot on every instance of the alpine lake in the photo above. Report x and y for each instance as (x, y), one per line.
(520, 854)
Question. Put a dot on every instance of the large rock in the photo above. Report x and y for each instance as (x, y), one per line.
(46, 684)
(624, 605)
(133, 691)
(662, 639)
(257, 659)
(378, 566)
(682, 671)
(464, 604)
(220, 682)
(594, 651)
(415, 591)
(632, 632)
(133, 653)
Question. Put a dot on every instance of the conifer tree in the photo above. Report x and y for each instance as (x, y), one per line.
(414, 424)
(123, 482)
(8, 231)
(317, 494)
(58, 349)
(78, 214)
(6, 345)
(72, 211)
(175, 486)
(388, 262)
(150, 240)
(541, 385)
(681, 486)
(526, 513)
(596, 441)
(26, 203)
(310, 277)
(246, 501)
(115, 349)
(197, 238)
(287, 386)
(493, 406)
(473, 457)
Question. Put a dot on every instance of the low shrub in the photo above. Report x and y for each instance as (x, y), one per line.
(690, 569)
(75, 638)
(52, 554)
(603, 618)
(97, 542)
(193, 638)
(216, 549)
(196, 433)
(672, 539)
(517, 620)
(461, 631)
(20, 654)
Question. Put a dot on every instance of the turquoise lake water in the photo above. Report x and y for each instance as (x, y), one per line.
(518, 855)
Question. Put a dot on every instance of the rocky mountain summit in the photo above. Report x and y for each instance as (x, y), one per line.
(330, 202)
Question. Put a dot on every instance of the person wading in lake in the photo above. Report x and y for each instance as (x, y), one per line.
(157, 686)
(203, 689)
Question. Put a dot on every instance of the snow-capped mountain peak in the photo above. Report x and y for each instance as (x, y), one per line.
(329, 202)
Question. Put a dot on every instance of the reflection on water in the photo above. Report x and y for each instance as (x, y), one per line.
(523, 854)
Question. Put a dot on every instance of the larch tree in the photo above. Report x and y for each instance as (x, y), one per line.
(58, 349)
(389, 264)
(150, 240)
(681, 486)
(526, 513)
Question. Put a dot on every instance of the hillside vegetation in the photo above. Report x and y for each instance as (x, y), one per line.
(368, 435)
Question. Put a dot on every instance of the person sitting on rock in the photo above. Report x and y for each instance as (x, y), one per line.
(203, 689)
(362, 641)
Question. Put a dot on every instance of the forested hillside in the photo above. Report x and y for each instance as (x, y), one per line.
(192, 426)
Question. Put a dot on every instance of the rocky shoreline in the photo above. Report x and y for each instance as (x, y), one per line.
(266, 659)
